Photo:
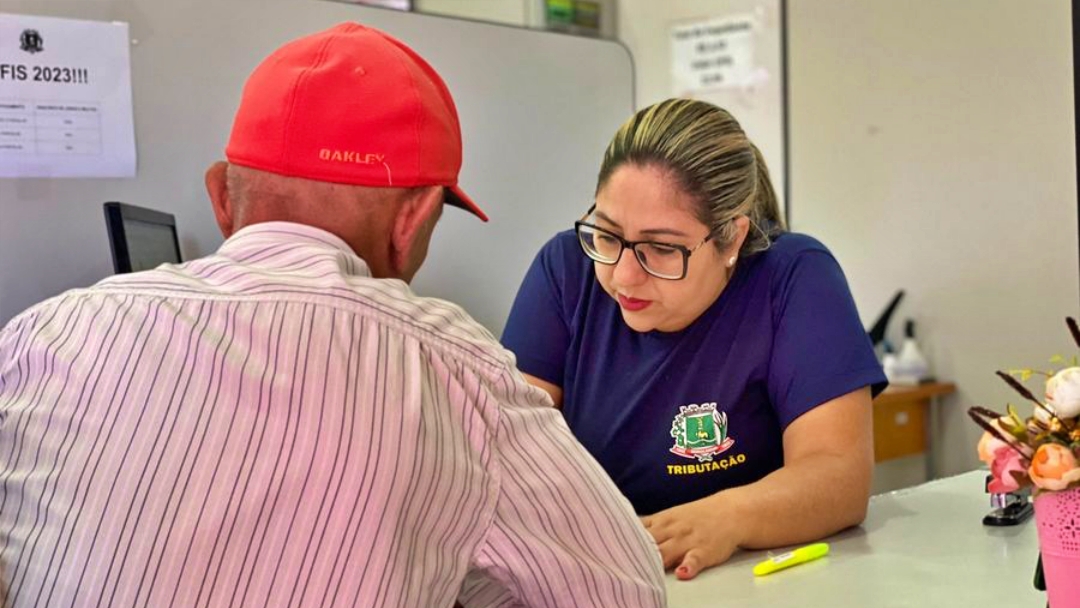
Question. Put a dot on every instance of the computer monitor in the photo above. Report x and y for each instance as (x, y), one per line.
(140, 238)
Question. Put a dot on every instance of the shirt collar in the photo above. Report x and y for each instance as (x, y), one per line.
(301, 235)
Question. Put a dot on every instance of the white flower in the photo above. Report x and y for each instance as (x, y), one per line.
(1063, 393)
(1042, 415)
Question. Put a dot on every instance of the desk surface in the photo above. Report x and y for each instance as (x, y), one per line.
(920, 547)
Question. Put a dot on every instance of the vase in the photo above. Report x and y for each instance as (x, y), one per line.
(1057, 515)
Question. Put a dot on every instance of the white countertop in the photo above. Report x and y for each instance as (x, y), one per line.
(920, 547)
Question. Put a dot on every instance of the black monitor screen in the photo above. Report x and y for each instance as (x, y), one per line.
(150, 245)
(140, 238)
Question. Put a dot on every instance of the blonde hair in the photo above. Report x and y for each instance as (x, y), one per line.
(711, 159)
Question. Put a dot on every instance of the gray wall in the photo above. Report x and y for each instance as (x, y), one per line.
(933, 150)
(536, 109)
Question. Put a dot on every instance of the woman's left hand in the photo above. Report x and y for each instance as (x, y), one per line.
(694, 536)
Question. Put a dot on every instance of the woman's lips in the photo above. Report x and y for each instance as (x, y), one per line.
(633, 304)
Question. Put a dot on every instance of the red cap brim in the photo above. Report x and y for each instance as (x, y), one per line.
(457, 198)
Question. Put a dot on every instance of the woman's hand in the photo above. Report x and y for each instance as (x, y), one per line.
(694, 536)
(822, 488)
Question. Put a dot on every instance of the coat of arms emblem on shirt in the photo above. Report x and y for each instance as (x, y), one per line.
(700, 432)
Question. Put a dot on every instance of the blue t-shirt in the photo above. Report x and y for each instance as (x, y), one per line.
(678, 416)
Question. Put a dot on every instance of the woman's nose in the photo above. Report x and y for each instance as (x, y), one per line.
(628, 270)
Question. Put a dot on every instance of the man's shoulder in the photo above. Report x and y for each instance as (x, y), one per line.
(29, 316)
(436, 323)
(442, 326)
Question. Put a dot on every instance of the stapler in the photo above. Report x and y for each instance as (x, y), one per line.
(1010, 508)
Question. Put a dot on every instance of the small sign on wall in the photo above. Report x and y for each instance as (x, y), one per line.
(65, 98)
(734, 58)
(713, 54)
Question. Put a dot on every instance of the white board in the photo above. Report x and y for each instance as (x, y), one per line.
(537, 110)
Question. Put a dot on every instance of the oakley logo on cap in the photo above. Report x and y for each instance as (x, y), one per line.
(351, 156)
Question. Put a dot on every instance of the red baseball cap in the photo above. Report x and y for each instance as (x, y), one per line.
(350, 105)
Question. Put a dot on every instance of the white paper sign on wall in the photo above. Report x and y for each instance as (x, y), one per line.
(713, 54)
(65, 98)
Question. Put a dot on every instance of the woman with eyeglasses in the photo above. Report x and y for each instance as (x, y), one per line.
(712, 362)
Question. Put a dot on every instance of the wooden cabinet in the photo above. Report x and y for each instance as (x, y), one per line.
(902, 419)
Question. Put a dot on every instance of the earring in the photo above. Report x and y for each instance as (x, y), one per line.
(731, 261)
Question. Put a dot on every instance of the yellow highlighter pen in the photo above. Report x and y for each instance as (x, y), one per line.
(791, 558)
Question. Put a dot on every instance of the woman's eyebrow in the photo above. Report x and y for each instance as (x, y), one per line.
(664, 231)
(651, 231)
(603, 216)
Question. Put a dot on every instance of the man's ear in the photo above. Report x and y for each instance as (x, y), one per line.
(217, 188)
(413, 224)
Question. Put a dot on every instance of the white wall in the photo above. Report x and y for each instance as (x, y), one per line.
(932, 149)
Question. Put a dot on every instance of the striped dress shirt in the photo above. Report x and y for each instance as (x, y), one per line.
(271, 426)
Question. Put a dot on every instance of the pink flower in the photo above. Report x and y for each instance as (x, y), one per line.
(1054, 467)
(989, 445)
(1005, 467)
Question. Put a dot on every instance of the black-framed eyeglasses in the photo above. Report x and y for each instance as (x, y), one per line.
(661, 260)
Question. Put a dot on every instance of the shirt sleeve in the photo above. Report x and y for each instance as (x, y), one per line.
(562, 535)
(537, 330)
(820, 350)
(12, 339)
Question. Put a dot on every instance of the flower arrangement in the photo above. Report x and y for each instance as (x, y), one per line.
(1042, 450)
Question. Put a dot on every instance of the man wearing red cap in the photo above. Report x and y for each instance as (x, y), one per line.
(284, 422)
